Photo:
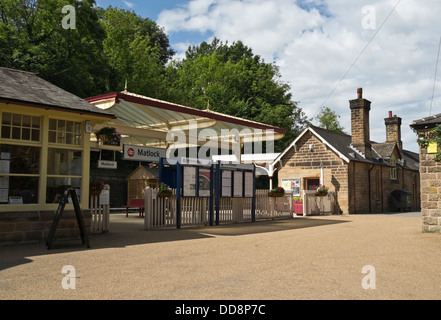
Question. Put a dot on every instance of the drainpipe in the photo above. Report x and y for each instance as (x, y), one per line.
(381, 188)
(369, 184)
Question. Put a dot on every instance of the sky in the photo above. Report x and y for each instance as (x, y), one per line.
(325, 50)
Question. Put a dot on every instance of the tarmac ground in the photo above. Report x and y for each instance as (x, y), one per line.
(339, 257)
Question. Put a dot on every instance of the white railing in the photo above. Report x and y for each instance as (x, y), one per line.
(160, 212)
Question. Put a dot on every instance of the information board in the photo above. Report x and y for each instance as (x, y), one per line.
(238, 184)
(189, 189)
(204, 182)
(226, 183)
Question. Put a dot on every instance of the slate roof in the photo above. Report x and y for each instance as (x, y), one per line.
(26, 88)
(341, 144)
(428, 122)
(384, 150)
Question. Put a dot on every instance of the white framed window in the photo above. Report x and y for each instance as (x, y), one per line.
(65, 132)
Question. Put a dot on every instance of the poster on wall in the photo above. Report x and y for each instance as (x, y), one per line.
(238, 184)
(249, 187)
(226, 183)
(189, 186)
(291, 185)
(204, 182)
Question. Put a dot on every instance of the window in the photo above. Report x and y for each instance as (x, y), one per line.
(19, 174)
(393, 173)
(64, 168)
(65, 132)
(20, 127)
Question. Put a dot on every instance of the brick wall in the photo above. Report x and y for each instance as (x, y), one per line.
(34, 226)
(430, 172)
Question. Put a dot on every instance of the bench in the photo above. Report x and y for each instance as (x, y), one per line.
(136, 203)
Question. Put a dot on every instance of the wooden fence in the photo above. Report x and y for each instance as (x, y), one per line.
(160, 212)
(313, 205)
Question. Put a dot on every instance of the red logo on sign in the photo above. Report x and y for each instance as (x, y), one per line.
(131, 152)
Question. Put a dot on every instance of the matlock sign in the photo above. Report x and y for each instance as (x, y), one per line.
(145, 154)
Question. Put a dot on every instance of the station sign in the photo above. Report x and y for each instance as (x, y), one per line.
(145, 154)
(104, 164)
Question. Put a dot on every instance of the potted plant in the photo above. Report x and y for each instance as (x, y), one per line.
(164, 190)
(109, 136)
(322, 191)
(298, 205)
(96, 188)
(277, 192)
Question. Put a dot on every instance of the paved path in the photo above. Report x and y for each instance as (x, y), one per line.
(300, 258)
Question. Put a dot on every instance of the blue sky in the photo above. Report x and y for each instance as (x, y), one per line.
(325, 49)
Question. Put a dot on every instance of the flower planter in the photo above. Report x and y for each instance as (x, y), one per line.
(298, 207)
(275, 195)
(321, 194)
(164, 194)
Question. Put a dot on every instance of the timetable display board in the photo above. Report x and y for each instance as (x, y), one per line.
(227, 177)
(189, 182)
(238, 184)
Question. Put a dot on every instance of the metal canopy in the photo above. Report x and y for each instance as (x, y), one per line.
(146, 121)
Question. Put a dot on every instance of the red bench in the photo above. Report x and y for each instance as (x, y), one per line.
(136, 203)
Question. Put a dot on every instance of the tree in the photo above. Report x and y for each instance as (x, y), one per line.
(328, 119)
(33, 39)
(136, 49)
(230, 79)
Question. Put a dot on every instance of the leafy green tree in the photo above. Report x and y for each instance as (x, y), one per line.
(136, 49)
(328, 119)
(232, 80)
(32, 38)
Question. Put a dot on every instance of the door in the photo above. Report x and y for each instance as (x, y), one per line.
(313, 184)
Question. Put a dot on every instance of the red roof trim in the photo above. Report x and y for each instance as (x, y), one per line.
(188, 110)
(102, 97)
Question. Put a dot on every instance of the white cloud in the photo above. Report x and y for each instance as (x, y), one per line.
(315, 42)
(129, 4)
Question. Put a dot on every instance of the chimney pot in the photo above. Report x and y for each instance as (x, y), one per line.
(390, 114)
(360, 93)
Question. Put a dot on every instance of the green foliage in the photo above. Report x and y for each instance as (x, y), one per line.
(434, 135)
(136, 50)
(32, 38)
(328, 119)
(111, 46)
(232, 80)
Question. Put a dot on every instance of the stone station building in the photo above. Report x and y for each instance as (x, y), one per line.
(362, 173)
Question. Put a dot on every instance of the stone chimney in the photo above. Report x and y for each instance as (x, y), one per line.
(393, 130)
(360, 124)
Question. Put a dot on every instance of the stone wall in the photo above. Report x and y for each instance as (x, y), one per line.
(305, 164)
(430, 171)
(34, 226)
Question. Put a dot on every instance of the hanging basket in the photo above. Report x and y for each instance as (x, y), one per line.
(276, 194)
(164, 194)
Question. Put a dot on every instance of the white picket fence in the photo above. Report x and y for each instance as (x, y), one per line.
(160, 212)
(100, 215)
